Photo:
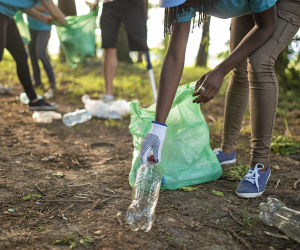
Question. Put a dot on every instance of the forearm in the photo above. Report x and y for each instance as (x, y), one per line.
(265, 23)
(252, 41)
(35, 14)
(169, 80)
(55, 12)
(171, 70)
(40, 8)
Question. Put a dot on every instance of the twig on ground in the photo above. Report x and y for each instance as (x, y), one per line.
(80, 201)
(68, 208)
(277, 183)
(38, 189)
(52, 210)
(98, 202)
(107, 195)
(236, 219)
(162, 211)
(81, 185)
(240, 239)
(28, 237)
(296, 183)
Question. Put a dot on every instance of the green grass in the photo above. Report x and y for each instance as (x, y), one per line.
(131, 81)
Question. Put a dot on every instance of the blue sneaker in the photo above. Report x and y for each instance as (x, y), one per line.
(254, 183)
(225, 158)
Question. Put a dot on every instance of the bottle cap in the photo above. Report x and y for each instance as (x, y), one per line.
(151, 159)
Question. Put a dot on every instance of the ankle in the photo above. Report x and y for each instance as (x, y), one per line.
(266, 165)
(227, 150)
(34, 100)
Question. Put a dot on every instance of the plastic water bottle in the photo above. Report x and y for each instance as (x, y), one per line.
(79, 116)
(276, 214)
(45, 116)
(24, 99)
(145, 193)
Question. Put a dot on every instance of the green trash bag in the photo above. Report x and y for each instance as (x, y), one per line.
(186, 157)
(22, 27)
(77, 38)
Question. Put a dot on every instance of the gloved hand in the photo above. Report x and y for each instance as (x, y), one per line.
(154, 140)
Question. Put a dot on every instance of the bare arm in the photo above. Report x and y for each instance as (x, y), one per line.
(37, 15)
(172, 70)
(54, 12)
(264, 27)
(40, 8)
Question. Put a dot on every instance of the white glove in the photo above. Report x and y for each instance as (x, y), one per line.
(154, 140)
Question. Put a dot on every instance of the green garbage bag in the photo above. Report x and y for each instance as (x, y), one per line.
(22, 27)
(187, 158)
(77, 38)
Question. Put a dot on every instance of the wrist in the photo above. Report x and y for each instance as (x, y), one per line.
(223, 69)
(158, 129)
(159, 123)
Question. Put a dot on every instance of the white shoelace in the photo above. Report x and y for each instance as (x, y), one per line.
(253, 175)
(217, 151)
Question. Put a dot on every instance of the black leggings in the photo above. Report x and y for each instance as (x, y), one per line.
(11, 40)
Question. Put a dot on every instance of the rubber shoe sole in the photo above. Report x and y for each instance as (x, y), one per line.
(34, 108)
(227, 162)
(252, 195)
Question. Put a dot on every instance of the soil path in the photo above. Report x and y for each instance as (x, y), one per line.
(95, 159)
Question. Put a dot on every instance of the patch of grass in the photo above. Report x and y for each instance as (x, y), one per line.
(216, 127)
(26, 216)
(209, 210)
(40, 228)
(131, 80)
(73, 240)
(111, 123)
(237, 172)
(284, 145)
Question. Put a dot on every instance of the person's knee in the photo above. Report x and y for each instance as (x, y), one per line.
(260, 63)
(41, 55)
(21, 57)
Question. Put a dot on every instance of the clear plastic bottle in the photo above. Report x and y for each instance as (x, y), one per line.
(45, 116)
(79, 116)
(276, 214)
(145, 193)
(24, 99)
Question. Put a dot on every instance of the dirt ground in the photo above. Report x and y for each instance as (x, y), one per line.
(95, 159)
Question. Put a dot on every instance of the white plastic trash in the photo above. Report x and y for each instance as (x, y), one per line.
(45, 116)
(24, 99)
(114, 110)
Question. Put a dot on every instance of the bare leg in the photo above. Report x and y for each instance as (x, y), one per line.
(109, 68)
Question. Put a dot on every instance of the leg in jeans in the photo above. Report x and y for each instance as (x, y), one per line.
(15, 46)
(34, 59)
(237, 95)
(263, 81)
(4, 21)
(42, 40)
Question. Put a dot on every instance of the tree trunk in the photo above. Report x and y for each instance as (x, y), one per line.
(122, 46)
(140, 54)
(204, 45)
(67, 7)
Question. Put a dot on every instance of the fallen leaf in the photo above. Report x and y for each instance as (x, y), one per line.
(172, 238)
(172, 220)
(97, 232)
(277, 235)
(31, 195)
(218, 193)
(187, 189)
(18, 162)
(225, 208)
(58, 174)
